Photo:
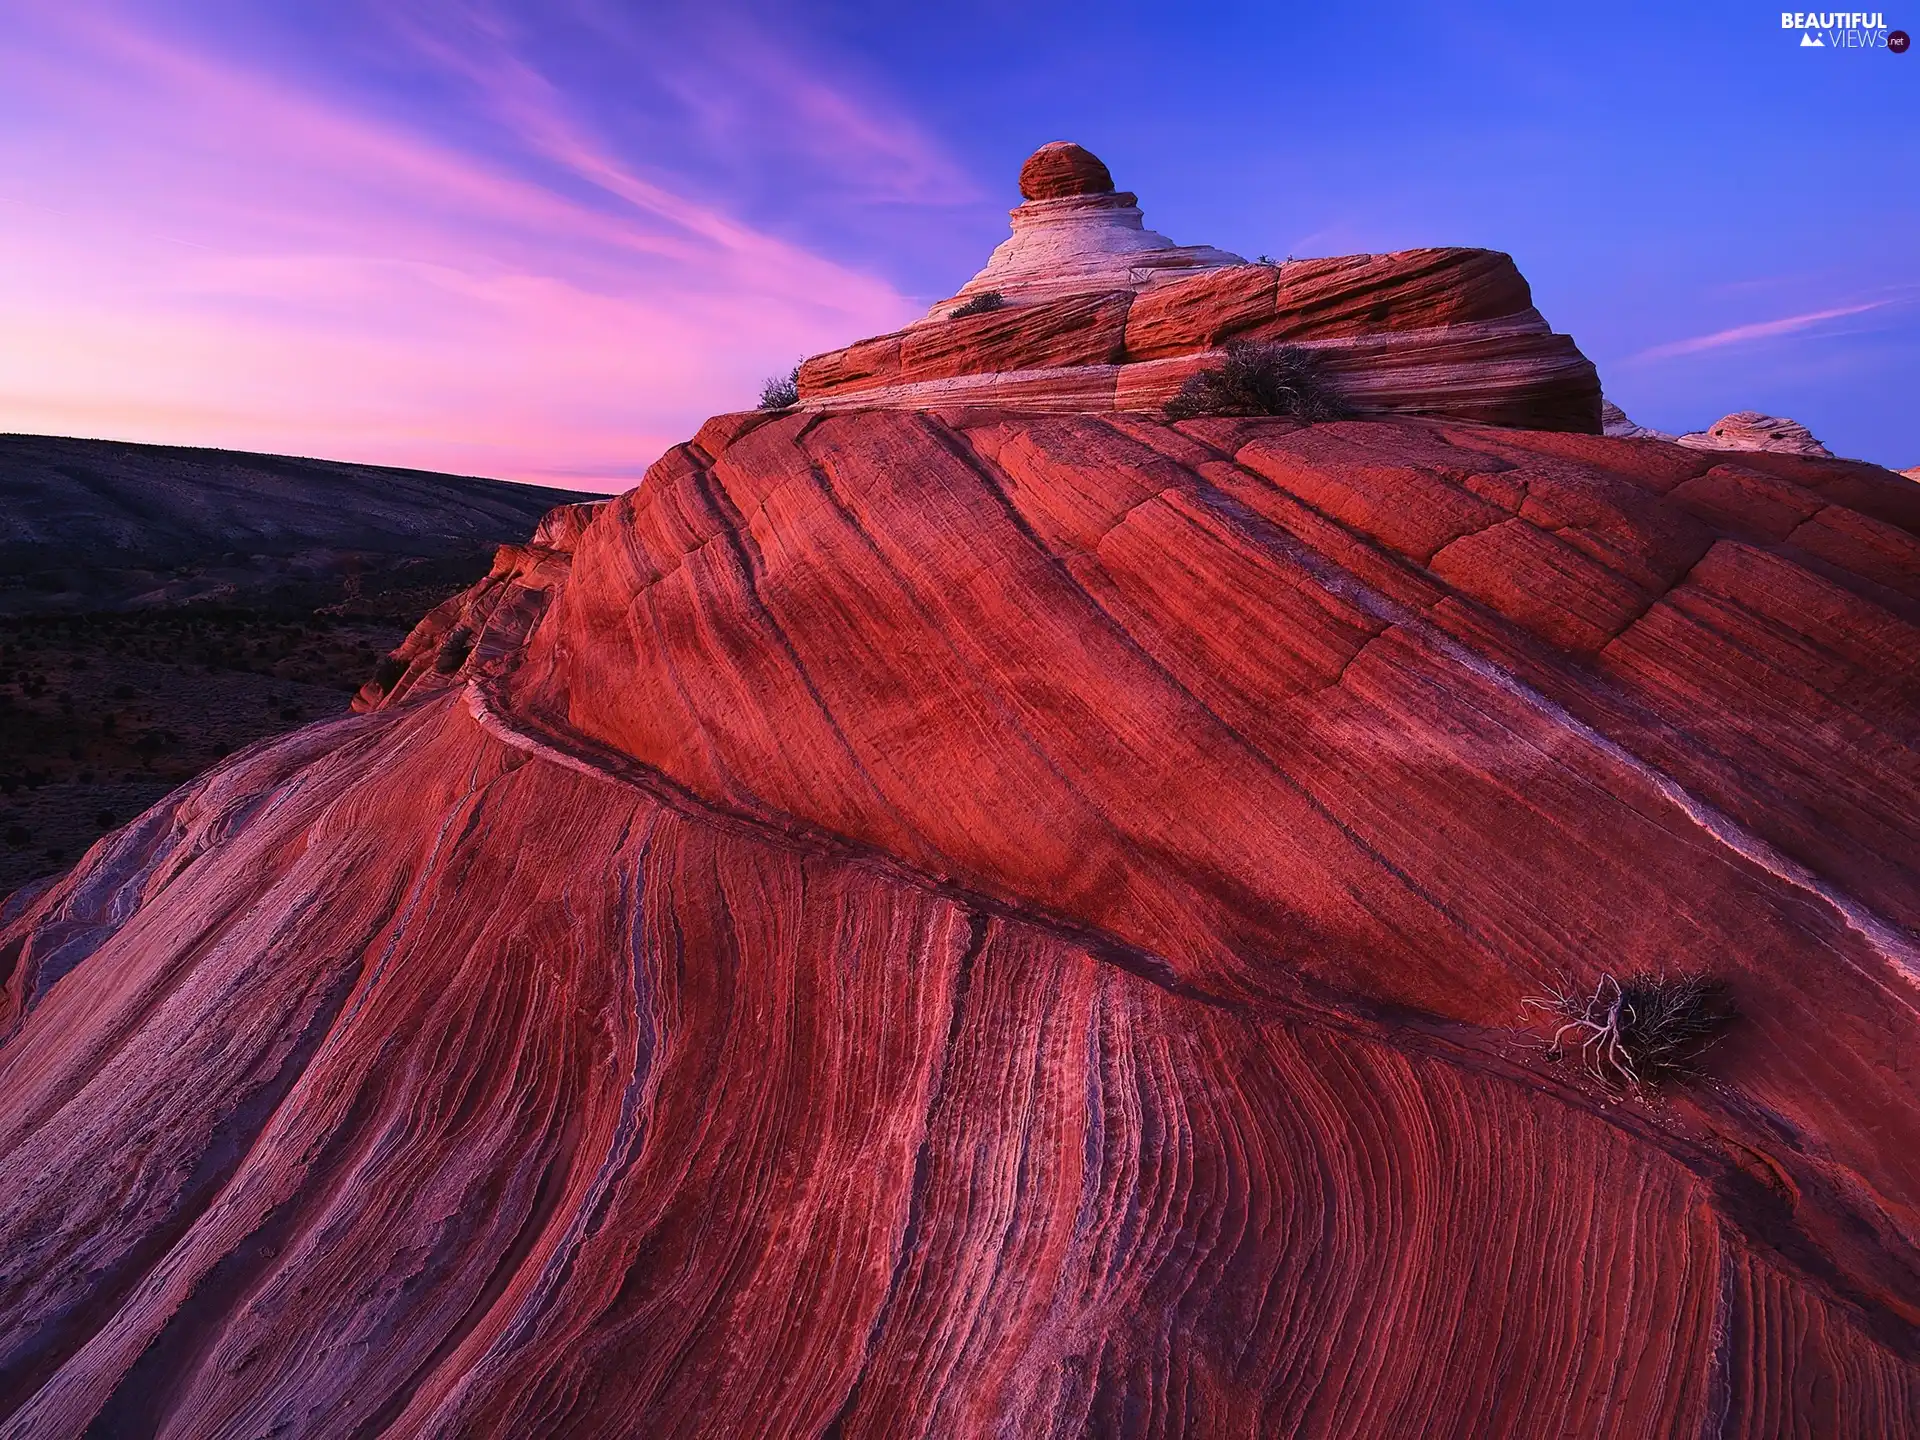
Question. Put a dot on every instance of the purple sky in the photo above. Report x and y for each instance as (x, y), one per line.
(544, 240)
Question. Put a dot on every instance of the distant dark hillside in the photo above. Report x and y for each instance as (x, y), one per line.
(101, 524)
(162, 607)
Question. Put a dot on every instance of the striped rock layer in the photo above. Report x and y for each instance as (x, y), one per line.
(1075, 235)
(976, 923)
(1448, 333)
(1750, 430)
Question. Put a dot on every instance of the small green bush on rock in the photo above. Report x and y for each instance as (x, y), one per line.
(981, 304)
(781, 392)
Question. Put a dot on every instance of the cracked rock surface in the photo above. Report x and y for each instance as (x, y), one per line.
(966, 922)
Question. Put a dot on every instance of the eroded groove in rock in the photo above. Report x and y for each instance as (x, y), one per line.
(1095, 1205)
(1015, 919)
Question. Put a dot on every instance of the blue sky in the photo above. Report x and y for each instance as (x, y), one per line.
(545, 240)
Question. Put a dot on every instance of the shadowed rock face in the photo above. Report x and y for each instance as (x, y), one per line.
(974, 922)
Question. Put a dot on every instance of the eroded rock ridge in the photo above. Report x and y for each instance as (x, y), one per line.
(957, 919)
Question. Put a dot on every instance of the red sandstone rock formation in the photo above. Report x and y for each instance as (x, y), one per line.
(1615, 422)
(1061, 168)
(980, 922)
(1102, 315)
(1750, 430)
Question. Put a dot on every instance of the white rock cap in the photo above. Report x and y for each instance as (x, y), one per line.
(1076, 235)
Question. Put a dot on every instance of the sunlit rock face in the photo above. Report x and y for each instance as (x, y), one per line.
(1075, 234)
(1615, 422)
(975, 921)
(1093, 312)
(1061, 168)
(1750, 430)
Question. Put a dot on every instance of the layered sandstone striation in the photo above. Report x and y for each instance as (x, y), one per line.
(968, 921)
(1615, 422)
(1750, 430)
(1101, 314)
(1060, 169)
(971, 921)
(1074, 234)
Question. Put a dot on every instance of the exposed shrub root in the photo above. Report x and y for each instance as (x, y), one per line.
(1641, 1031)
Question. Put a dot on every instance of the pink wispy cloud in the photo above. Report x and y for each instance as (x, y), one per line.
(743, 94)
(1760, 330)
(215, 253)
(538, 115)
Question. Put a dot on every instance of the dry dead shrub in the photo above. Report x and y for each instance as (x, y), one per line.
(1641, 1031)
(1255, 379)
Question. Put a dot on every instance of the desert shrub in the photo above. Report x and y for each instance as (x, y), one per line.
(149, 744)
(980, 304)
(1640, 1031)
(1256, 379)
(453, 650)
(388, 672)
(781, 392)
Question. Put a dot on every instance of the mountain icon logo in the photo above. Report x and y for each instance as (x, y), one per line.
(1808, 42)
